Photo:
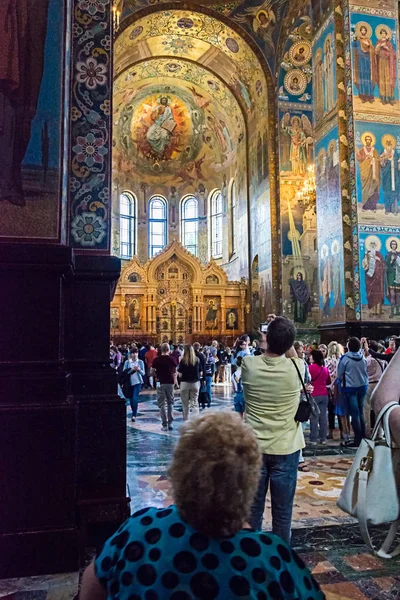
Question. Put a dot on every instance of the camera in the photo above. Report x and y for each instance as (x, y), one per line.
(264, 327)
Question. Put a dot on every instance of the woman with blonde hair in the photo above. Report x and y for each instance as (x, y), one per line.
(189, 373)
(332, 360)
(202, 546)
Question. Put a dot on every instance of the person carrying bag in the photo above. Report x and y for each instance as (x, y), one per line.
(371, 489)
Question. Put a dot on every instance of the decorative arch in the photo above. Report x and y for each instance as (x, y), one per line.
(175, 248)
(133, 267)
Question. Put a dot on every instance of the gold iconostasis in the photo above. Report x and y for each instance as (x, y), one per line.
(176, 297)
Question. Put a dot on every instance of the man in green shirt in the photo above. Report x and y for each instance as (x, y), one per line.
(272, 388)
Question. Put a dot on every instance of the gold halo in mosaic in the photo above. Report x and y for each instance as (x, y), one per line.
(367, 27)
(300, 53)
(388, 137)
(295, 82)
(390, 240)
(306, 30)
(373, 239)
(380, 28)
(365, 135)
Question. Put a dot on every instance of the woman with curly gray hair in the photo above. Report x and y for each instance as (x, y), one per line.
(202, 547)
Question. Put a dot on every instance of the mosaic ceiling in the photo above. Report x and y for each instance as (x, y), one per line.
(187, 91)
(201, 122)
(201, 39)
(260, 19)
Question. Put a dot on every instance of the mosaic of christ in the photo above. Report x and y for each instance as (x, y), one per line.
(161, 128)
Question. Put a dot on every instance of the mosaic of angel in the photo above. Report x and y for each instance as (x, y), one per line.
(262, 19)
(297, 143)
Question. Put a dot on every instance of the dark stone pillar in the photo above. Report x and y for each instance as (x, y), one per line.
(62, 443)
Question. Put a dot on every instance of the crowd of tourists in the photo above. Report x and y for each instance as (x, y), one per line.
(340, 380)
(194, 369)
(209, 543)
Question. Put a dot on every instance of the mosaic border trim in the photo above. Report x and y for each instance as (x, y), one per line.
(347, 162)
(89, 226)
(323, 27)
(377, 12)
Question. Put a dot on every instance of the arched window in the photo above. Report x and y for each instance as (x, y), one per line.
(157, 225)
(216, 224)
(233, 217)
(127, 225)
(190, 223)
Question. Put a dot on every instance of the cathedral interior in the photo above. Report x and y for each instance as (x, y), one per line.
(179, 171)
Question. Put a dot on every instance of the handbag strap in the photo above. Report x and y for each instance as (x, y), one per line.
(302, 382)
(383, 416)
(312, 380)
(383, 551)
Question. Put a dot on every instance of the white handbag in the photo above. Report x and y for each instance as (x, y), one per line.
(372, 487)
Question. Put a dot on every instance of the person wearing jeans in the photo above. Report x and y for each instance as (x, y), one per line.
(272, 388)
(320, 379)
(136, 367)
(279, 472)
(353, 377)
(209, 374)
(189, 372)
(164, 368)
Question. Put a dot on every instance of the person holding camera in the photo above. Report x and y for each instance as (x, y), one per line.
(272, 383)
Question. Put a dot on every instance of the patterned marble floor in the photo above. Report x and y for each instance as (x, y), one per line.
(327, 539)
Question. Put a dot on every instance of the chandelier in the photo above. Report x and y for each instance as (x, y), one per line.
(307, 195)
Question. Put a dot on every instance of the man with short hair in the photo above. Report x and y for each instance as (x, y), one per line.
(164, 367)
(272, 386)
(353, 376)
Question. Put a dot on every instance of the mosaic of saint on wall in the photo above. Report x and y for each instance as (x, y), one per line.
(324, 68)
(380, 275)
(378, 173)
(295, 80)
(330, 232)
(31, 117)
(374, 47)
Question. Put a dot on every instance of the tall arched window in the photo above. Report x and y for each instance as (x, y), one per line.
(216, 224)
(233, 217)
(190, 223)
(157, 225)
(127, 225)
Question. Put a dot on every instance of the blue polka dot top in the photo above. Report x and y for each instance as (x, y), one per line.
(156, 555)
